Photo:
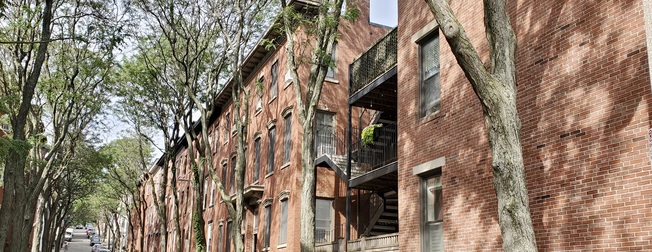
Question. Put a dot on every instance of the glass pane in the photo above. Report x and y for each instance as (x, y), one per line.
(435, 238)
(431, 94)
(270, 154)
(284, 220)
(268, 222)
(434, 199)
(430, 57)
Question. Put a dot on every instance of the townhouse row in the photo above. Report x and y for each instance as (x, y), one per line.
(402, 148)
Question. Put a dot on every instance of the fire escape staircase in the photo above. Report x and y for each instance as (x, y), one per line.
(383, 214)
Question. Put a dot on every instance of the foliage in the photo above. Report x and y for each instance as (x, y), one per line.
(367, 134)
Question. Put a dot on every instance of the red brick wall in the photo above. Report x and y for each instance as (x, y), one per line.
(351, 43)
(584, 103)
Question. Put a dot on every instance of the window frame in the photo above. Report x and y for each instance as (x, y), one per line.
(424, 111)
(268, 227)
(209, 235)
(283, 225)
(257, 150)
(331, 219)
(425, 236)
(259, 93)
(212, 202)
(271, 150)
(274, 82)
(287, 139)
(332, 70)
(229, 230)
(220, 238)
(227, 127)
(216, 137)
(234, 160)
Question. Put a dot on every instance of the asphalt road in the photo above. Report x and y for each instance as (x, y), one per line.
(79, 242)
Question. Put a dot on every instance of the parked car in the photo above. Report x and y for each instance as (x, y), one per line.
(68, 235)
(80, 226)
(97, 247)
(90, 232)
(95, 240)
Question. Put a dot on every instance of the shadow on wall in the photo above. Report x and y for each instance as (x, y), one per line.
(584, 96)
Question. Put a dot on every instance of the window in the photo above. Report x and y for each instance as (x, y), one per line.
(212, 192)
(256, 158)
(228, 237)
(273, 89)
(209, 234)
(224, 175)
(287, 140)
(227, 126)
(233, 161)
(268, 224)
(324, 135)
(432, 216)
(259, 92)
(255, 231)
(332, 67)
(205, 192)
(255, 224)
(429, 88)
(270, 152)
(219, 239)
(233, 127)
(283, 232)
(216, 138)
(323, 220)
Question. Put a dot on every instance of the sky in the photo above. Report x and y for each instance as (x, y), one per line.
(384, 12)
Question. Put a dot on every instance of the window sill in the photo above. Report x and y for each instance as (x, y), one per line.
(332, 80)
(258, 111)
(272, 99)
(287, 83)
(432, 116)
(282, 246)
(269, 174)
(285, 165)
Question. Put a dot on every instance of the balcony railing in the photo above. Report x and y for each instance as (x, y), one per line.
(329, 143)
(376, 61)
(388, 242)
(382, 151)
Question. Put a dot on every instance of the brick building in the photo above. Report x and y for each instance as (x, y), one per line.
(273, 166)
(584, 101)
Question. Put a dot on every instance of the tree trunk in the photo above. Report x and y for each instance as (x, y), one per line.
(308, 190)
(496, 89)
(15, 162)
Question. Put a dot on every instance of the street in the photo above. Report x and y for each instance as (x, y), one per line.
(79, 242)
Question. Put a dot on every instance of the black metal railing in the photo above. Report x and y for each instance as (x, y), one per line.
(329, 236)
(329, 143)
(381, 151)
(376, 61)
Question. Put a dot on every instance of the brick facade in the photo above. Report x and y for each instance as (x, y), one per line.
(285, 178)
(584, 102)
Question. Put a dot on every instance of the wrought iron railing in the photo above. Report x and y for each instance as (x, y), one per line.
(376, 61)
(329, 143)
(329, 236)
(382, 151)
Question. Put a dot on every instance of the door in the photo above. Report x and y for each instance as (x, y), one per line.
(324, 133)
